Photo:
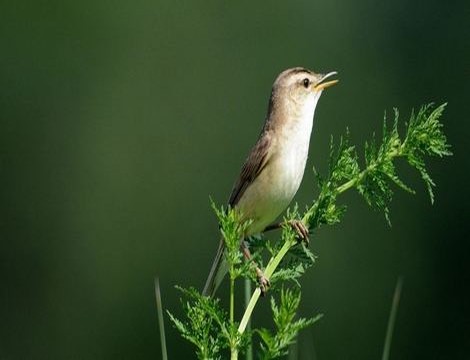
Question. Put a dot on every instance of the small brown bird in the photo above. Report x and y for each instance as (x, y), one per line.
(274, 169)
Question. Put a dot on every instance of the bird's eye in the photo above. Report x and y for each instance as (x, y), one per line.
(306, 82)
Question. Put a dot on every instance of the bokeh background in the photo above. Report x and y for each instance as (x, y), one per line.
(119, 119)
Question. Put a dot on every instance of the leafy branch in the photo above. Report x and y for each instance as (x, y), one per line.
(275, 345)
(207, 326)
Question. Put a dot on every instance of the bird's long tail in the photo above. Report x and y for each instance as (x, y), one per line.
(218, 270)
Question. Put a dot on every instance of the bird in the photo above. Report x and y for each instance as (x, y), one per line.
(274, 168)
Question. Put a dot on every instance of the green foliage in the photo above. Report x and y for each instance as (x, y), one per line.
(423, 136)
(232, 229)
(275, 345)
(204, 320)
(342, 166)
(208, 326)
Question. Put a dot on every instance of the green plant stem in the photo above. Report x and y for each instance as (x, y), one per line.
(232, 299)
(270, 268)
(234, 354)
(233, 347)
(353, 182)
(350, 183)
(249, 349)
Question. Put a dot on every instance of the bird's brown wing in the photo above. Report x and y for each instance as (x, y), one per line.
(254, 165)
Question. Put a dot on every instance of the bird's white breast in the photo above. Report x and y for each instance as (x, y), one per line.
(270, 194)
(289, 162)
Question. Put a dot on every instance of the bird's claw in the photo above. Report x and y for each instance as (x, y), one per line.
(263, 282)
(301, 230)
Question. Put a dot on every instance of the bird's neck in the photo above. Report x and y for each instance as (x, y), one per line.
(293, 119)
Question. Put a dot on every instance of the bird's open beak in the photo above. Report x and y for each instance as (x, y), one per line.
(322, 84)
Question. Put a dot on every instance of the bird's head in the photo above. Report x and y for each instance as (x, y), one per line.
(298, 89)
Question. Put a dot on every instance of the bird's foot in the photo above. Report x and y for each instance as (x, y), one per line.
(301, 230)
(263, 282)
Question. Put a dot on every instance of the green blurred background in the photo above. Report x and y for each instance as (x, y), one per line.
(120, 119)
